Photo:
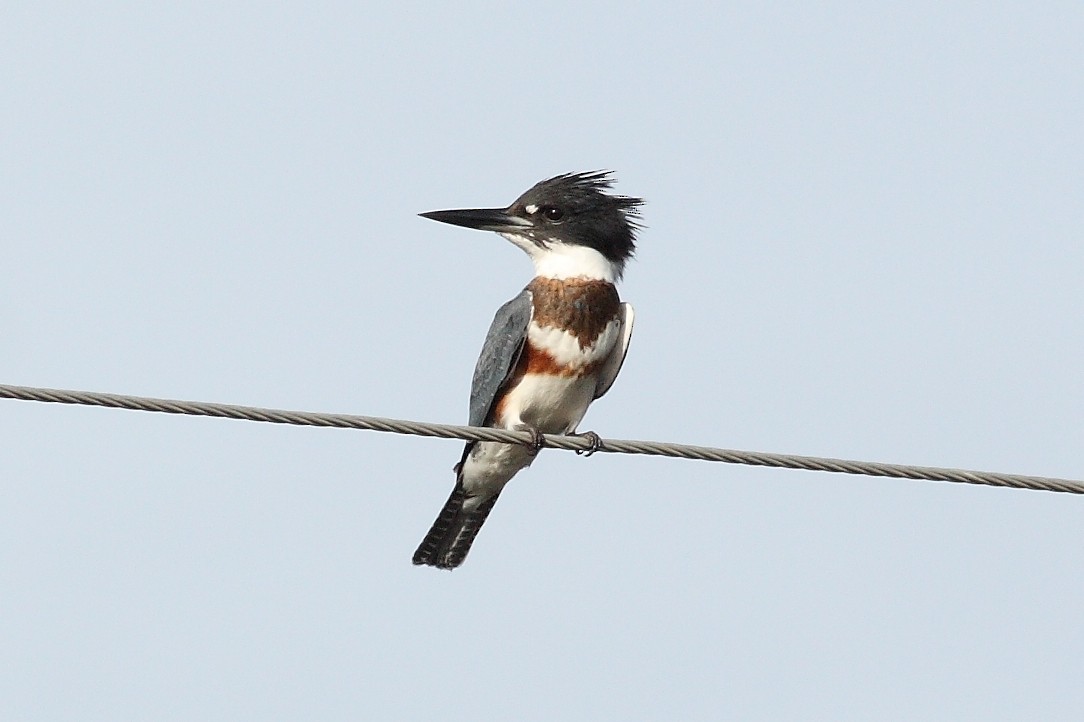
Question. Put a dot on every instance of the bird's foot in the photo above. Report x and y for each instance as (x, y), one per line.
(538, 439)
(593, 438)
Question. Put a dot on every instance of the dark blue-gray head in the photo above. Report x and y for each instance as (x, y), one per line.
(573, 209)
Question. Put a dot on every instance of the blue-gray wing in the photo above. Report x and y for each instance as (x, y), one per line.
(500, 353)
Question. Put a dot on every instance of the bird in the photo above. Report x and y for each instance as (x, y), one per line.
(550, 351)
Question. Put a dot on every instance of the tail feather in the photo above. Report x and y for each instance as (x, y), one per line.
(448, 541)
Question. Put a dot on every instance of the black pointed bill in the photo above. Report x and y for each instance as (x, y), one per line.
(483, 219)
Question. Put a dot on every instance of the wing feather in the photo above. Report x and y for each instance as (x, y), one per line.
(610, 369)
(500, 353)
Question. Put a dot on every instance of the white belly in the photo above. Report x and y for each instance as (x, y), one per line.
(550, 403)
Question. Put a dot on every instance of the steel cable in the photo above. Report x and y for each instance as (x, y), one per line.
(572, 443)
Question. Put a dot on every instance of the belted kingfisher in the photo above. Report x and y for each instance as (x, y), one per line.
(551, 350)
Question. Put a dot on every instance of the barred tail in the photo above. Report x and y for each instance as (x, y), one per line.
(447, 543)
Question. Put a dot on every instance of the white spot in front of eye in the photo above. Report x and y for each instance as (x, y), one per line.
(531, 208)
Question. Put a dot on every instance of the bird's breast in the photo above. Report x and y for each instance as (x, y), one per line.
(573, 330)
(559, 352)
(574, 325)
(579, 308)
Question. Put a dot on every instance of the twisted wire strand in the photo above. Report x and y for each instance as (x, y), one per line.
(571, 443)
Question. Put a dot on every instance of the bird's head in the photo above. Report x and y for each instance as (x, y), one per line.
(569, 225)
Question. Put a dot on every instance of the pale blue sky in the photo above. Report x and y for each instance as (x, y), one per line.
(864, 240)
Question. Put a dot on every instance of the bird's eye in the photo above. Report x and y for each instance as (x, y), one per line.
(552, 213)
